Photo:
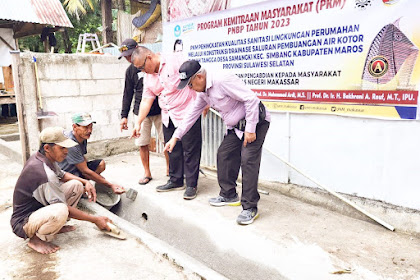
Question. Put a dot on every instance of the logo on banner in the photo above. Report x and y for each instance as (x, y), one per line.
(177, 31)
(363, 4)
(187, 28)
(378, 66)
(390, 2)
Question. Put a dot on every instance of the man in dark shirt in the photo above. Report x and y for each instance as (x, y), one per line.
(134, 87)
(76, 163)
(45, 196)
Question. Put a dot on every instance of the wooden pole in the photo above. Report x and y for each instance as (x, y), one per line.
(352, 204)
(106, 11)
(19, 106)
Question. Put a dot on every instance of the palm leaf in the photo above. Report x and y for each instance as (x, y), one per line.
(76, 6)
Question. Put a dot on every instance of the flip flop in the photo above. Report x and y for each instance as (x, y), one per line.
(145, 180)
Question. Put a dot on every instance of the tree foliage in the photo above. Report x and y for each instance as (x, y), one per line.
(74, 7)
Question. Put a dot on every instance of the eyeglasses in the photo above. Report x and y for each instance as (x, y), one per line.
(144, 64)
(123, 48)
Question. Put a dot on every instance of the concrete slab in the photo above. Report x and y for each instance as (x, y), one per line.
(9, 139)
(87, 253)
(189, 266)
(290, 240)
(12, 149)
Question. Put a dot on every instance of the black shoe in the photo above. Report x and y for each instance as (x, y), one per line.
(170, 186)
(190, 193)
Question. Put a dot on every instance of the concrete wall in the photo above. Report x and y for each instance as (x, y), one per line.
(73, 83)
(376, 159)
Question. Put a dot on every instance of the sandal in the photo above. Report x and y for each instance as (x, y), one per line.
(145, 180)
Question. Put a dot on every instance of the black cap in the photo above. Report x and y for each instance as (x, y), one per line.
(186, 71)
(127, 47)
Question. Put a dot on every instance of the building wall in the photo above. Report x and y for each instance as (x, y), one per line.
(69, 84)
(371, 158)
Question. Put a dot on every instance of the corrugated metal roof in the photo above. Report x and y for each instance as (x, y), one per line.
(35, 11)
(51, 12)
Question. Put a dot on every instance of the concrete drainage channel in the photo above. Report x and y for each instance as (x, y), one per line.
(189, 265)
(187, 242)
(162, 226)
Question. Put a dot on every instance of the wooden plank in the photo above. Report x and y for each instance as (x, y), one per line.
(5, 42)
(8, 77)
(7, 94)
(7, 100)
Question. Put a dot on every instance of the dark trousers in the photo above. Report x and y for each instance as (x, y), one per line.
(231, 156)
(92, 165)
(185, 156)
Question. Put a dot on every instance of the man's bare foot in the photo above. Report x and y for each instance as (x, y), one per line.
(67, 229)
(41, 246)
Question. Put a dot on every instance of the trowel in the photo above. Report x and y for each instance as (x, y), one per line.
(115, 231)
(131, 194)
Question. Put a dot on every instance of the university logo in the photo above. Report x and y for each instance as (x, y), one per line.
(363, 4)
(177, 31)
(378, 66)
(188, 28)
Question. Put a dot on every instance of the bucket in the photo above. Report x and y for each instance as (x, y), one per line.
(106, 197)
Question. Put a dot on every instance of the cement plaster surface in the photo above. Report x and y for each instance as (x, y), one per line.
(296, 240)
(291, 238)
(85, 253)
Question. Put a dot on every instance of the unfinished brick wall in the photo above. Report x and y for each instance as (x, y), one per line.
(72, 83)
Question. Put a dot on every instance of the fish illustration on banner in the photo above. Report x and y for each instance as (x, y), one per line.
(391, 55)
